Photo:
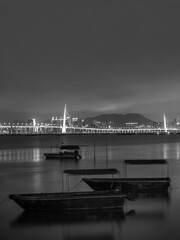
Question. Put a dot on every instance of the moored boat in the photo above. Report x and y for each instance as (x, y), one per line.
(69, 201)
(128, 185)
(131, 185)
(66, 152)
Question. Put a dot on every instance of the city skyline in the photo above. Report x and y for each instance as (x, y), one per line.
(122, 124)
(60, 115)
(99, 57)
(75, 118)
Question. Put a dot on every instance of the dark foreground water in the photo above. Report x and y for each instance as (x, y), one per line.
(23, 170)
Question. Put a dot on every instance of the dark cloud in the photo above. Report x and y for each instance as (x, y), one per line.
(96, 56)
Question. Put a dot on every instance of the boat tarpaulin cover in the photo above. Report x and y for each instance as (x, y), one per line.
(145, 161)
(69, 147)
(91, 171)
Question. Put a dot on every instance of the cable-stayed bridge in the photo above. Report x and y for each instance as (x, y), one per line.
(67, 127)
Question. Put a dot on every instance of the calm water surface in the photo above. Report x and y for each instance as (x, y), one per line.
(23, 169)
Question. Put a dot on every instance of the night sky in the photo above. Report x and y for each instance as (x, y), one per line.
(97, 56)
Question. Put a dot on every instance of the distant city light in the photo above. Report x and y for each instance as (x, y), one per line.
(76, 125)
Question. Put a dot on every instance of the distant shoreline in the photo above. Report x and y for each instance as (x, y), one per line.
(67, 134)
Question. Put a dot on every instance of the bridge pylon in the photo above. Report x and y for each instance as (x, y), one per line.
(64, 120)
(165, 123)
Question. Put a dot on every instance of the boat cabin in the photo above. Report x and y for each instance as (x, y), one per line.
(66, 151)
(145, 162)
(90, 171)
(69, 148)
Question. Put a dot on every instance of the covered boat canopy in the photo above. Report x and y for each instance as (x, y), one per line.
(91, 171)
(69, 147)
(145, 161)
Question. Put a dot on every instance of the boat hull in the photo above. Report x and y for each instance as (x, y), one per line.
(61, 156)
(129, 185)
(69, 201)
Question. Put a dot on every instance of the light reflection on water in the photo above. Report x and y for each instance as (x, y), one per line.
(171, 150)
(148, 217)
(166, 151)
(20, 155)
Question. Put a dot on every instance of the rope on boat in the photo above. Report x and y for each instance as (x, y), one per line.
(69, 189)
(1, 203)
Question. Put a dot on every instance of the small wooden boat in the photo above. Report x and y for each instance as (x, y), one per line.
(69, 201)
(66, 152)
(131, 185)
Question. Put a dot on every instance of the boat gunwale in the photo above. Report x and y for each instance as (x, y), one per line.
(67, 194)
(145, 161)
(140, 180)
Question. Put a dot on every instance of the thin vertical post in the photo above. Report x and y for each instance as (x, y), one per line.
(68, 184)
(62, 182)
(106, 156)
(167, 170)
(94, 153)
